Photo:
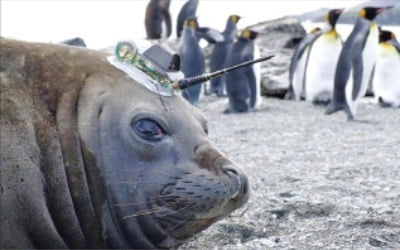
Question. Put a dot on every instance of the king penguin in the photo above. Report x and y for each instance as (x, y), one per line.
(355, 64)
(298, 64)
(323, 57)
(192, 59)
(220, 53)
(157, 19)
(243, 85)
(187, 11)
(386, 80)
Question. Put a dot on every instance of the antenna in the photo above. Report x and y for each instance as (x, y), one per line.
(187, 82)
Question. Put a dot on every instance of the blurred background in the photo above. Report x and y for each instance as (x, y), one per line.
(102, 23)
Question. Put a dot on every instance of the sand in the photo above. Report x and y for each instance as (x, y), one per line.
(317, 181)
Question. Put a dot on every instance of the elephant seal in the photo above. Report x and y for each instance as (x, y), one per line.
(92, 159)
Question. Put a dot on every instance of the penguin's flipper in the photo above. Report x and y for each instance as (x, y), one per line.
(396, 44)
(357, 76)
(210, 35)
(252, 81)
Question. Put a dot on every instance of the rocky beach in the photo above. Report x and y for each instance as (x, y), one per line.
(317, 181)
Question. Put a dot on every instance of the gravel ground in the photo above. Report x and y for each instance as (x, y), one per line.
(317, 181)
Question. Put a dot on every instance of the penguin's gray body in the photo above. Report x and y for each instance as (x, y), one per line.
(158, 19)
(241, 84)
(298, 65)
(192, 62)
(219, 56)
(386, 80)
(354, 67)
(187, 11)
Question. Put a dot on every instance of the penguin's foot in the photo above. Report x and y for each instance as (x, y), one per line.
(232, 111)
(350, 116)
(228, 111)
(332, 108)
(384, 104)
(289, 96)
(215, 91)
(321, 102)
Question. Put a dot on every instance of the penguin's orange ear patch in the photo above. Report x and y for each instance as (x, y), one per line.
(246, 34)
(362, 13)
(192, 23)
(234, 18)
(327, 17)
(314, 30)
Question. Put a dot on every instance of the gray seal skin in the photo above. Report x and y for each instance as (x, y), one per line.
(91, 159)
(157, 21)
(187, 11)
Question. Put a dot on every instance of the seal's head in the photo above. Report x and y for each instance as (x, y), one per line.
(164, 180)
(96, 159)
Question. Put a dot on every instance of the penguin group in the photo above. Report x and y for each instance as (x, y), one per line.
(242, 86)
(313, 63)
(326, 70)
(355, 64)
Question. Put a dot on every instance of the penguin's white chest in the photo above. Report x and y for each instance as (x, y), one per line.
(164, 29)
(320, 72)
(386, 81)
(257, 73)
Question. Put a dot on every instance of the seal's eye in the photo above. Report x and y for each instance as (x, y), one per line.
(148, 129)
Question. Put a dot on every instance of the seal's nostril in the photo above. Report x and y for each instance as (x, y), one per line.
(232, 173)
(245, 184)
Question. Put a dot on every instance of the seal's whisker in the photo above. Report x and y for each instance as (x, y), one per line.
(177, 225)
(154, 210)
(190, 205)
(140, 213)
(151, 201)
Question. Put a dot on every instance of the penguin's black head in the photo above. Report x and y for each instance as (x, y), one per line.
(332, 16)
(234, 18)
(249, 34)
(386, 35)
(371, 12)
(191, 22)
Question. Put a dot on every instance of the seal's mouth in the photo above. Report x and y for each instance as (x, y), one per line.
(183, 221)
(180, 209)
